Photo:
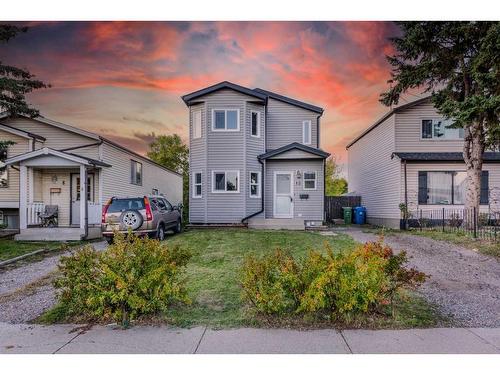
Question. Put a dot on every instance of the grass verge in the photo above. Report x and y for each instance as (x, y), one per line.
(10, 248)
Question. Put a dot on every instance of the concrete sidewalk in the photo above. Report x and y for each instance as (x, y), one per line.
(22, 338)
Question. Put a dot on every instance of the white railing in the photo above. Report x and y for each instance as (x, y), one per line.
(94, 212)
(33, 210)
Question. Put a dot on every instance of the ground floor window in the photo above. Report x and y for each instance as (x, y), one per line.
(309, 181)
(255, 184)
(446, 187)
(4, 174)
(197, 185)
(225, 182)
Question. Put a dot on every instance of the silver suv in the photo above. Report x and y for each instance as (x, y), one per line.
(149, 215)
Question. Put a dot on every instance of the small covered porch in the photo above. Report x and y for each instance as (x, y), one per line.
(54, 204)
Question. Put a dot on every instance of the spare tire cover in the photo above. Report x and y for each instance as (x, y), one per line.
(131, 219)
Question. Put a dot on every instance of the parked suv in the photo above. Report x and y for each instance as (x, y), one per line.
(148, 215)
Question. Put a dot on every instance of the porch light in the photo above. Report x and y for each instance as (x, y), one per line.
(298, 174)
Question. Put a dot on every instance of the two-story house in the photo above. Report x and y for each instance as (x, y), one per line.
(46, 165)
(255, 158)
(412, 156)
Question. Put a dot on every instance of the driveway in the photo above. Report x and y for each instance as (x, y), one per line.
(26, 291)
(464, 284)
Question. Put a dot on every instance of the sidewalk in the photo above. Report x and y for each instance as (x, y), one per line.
(21, 338)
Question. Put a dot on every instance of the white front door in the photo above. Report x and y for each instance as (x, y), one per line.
(75, 195)
(283, 195)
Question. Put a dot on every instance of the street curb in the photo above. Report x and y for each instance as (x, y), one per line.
(20, 257)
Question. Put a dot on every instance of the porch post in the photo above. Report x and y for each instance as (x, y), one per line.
(31, 184)
(23, 197)
(83, 195)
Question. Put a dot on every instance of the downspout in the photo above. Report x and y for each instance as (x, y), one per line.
(324, 187)
(262, 189)
(406, 195)
(86, 207)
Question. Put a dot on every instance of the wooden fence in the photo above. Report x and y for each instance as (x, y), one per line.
(333, 206)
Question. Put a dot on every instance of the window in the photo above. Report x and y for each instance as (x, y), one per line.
(197, 185)
(309, 181)
(155, 191)
(255, 185)
(225, 182)
(4, 174)
(445, 188)
(135, 172)
(196, 124)
(167, 204)
(306, 132)
(438, 129)
(226, 120)
(255, 118)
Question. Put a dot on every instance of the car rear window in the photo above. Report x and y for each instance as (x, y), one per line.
(119, 205)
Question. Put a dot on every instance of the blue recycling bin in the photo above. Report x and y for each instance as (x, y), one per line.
(360, 215)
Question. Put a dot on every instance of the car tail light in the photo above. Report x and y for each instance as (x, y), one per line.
(105, 210)
(149, 214)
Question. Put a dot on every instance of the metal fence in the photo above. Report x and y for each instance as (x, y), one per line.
(334, 204)
(478, 224)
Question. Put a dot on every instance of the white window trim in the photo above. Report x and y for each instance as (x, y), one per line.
(225, 120)
(304, 133)
(193, 176)
(432, 139)
(225, 191)
(309, 179)
(194, 124)
(259, 185)
(132, 180)
(258, 124)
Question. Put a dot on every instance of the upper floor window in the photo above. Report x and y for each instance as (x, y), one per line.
(225, 182)
(255, 123)
(438, 129)
(197, 124)
(4, 174)
(255, 185)
(309, 181)
(197, 184)
(226, 120)
(135, 172)
(306, 132)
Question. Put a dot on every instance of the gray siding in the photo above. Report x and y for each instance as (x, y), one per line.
(285, 124)
(373, 174)
(307, 209)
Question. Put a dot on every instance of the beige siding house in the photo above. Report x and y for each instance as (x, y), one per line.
(45, 165)
(411, 156)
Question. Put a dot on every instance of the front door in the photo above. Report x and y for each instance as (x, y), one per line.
(283, 195)
(75, 195)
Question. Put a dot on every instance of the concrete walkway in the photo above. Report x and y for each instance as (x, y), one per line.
(21, 338)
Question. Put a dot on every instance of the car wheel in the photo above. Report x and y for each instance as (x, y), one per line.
(160, 234)
(178, 227)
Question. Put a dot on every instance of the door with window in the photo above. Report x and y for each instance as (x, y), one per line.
(283, 195)
(75, 195)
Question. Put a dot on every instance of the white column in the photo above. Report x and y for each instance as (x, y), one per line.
(31, 185)
(83, 196)
(23, 197)
(101, 179)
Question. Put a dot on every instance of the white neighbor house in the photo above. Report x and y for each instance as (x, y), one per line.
(411, 156)
(45, 166)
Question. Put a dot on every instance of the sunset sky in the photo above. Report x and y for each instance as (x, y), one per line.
(124, 80)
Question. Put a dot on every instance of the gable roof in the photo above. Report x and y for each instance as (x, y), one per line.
(492, 157)
(291, 101)
(61, 154)
(386, 116)
(188, 98)
(298, 146)
(20, 133)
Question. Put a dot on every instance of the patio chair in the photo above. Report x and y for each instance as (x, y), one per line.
(50, 216)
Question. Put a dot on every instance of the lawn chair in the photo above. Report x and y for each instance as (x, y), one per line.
(50, 216)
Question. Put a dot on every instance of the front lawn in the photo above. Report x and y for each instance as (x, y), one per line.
(214, 274)
(10, 249)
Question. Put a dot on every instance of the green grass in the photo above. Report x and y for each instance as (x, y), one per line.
(11, 249)
(457, 238)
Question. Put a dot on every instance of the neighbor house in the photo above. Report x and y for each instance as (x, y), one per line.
(45, 166)
(412, 156)
(255, 158)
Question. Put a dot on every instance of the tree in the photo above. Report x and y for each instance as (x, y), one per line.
(335, 185)
(15, 82)
(171, 152)
(459, 64)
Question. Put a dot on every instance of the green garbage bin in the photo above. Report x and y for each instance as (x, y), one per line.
(347, 215)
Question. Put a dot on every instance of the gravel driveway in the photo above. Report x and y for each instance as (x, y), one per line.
(463, 284)
(26, 291)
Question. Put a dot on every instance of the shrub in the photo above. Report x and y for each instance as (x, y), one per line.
(340, 285)
(132, 277)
